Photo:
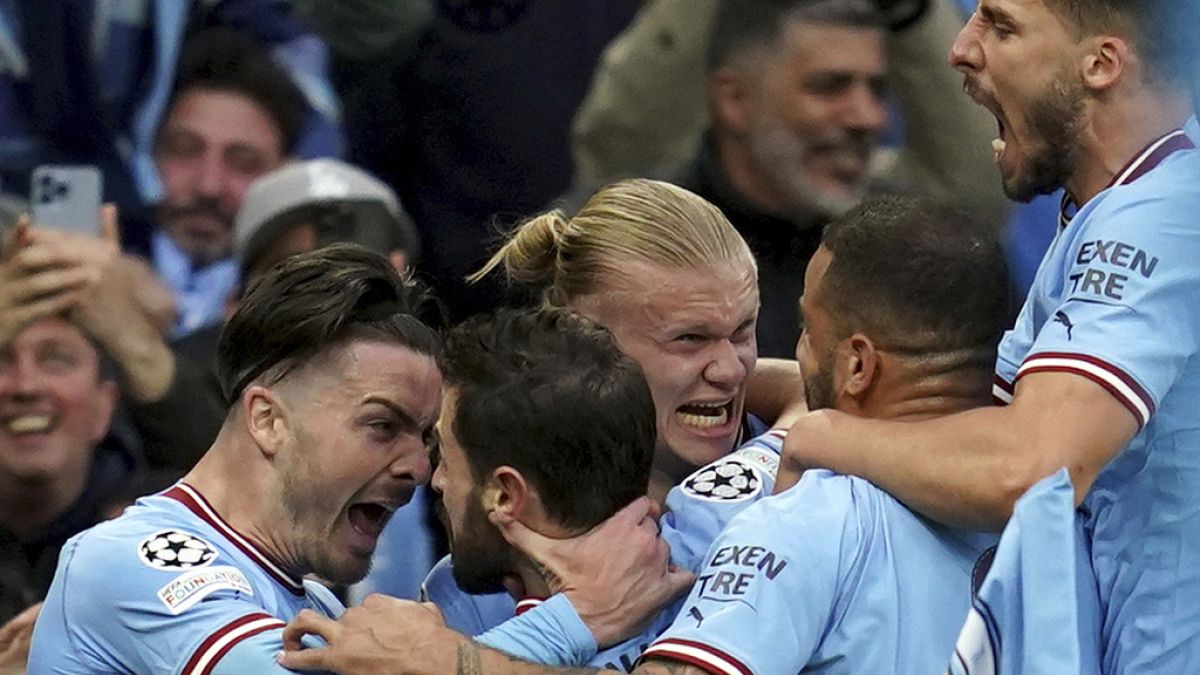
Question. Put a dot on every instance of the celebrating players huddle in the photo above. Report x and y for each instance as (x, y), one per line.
(625, 489)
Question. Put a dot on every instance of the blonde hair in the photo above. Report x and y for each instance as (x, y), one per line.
(640, 219)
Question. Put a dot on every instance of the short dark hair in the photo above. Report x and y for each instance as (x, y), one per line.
(919, 276)
(226, 59)
(1164, 32)
(316, 301)
(550, 394)
(745, 27)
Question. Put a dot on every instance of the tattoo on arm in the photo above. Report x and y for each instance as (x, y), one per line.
(471, 662)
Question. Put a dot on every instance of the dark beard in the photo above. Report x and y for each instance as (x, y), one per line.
(1056, 120)
(482, 558)
(818, 387)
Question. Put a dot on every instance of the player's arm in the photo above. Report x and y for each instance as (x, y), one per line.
(968, 469)
(776, 392)
(366, 641)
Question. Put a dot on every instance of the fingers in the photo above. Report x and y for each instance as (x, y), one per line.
(308, 622)
(46, 283)
(16, 238)
(20, 627)
(109, 229)
(303, 659)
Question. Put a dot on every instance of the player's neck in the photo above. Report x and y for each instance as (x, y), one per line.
(535, 585)
(917, 395)
(231, 483)
(1116, 132)
(27, 507)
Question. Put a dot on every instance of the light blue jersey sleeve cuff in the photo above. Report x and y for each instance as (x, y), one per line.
(552, 634)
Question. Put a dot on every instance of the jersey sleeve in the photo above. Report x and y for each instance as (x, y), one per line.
(700, 507)
(134, 617)
(770, 582)
(1127, 320)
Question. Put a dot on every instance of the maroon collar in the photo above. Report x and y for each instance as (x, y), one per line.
(1141, 164)
(196, 503)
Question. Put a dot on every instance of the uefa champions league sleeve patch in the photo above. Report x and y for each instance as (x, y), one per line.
(730, 479)
(174, 550)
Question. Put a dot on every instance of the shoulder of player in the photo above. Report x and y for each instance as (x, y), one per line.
(827, 500)
(1161, 204)
(139, 548)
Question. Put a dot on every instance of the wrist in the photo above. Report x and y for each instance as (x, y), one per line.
(147, 367)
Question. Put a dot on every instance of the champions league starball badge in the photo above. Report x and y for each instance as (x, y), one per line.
(174, 550)
(731, 479)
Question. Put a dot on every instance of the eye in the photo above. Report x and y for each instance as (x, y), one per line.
(383, 429)
(690, 338)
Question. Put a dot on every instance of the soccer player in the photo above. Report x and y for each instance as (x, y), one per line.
(905, 303)
(334, 392)
(546, 422)
(1102, 372)
(669, 276)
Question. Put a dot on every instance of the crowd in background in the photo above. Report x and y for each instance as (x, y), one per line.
(233, 134)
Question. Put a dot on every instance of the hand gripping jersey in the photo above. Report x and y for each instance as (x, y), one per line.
(1117, 300)
(698, 509)
(169, 588)
(1037, 611)
(831, 576)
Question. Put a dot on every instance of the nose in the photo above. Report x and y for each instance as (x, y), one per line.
(413, 464)
(20, 378)
(210, 177)
(966, 55)
(438, 482)
(866, 111)
(725, 368)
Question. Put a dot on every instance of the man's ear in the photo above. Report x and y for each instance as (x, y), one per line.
(731, 98)
(1108, 58)
(856, 367)
(105, 405)
(508, 495)
(265, 418)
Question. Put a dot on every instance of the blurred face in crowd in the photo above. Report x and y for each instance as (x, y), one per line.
(818, 341)
(813, 114)
(211, 146)
(358, 422)
(693, 334)
(1039, 110)
(54, 408)
(481, 554)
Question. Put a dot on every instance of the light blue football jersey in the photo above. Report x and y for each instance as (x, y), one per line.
(830, 576)
(698, 509)
(1117, 300)
(1037, 612)
(169, 587)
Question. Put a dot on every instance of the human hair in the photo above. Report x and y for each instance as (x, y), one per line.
(632, 220)
(745, 29)
(226, 59)
(1163, 32)
(550, 394)
(919, 277)
(313, 302)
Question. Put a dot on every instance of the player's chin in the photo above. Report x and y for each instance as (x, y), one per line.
(345, 568)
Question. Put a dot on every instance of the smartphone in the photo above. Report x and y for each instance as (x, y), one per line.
(66, 198)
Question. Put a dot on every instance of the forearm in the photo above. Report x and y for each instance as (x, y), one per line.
(964, 470)
(776, 391)
(471, 658)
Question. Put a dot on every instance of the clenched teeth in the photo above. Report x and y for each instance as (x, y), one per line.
(998, 146)
(29, 424)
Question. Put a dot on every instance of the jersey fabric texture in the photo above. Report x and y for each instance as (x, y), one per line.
(168, 587)
(1115, 301)
(830, 576)
(698, 509)
(1037, 612)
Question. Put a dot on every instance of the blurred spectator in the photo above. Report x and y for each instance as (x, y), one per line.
(234, 116)
(796, 93)
(88, 81)
(58, 461)
(177, 402)
(482, 114)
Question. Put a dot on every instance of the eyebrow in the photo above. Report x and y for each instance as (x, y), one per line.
(405, 417)
(995, 15)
